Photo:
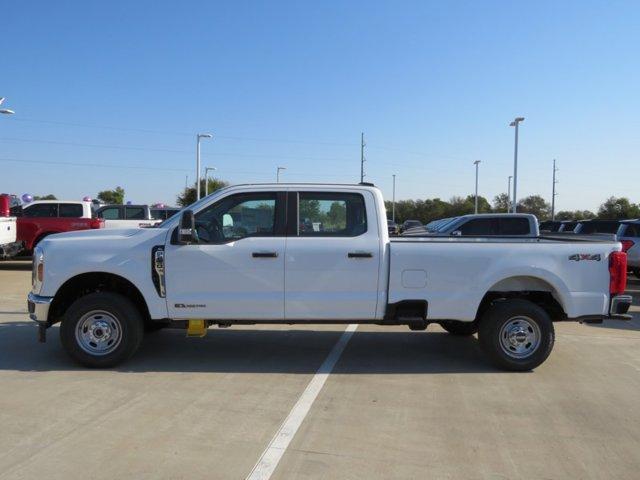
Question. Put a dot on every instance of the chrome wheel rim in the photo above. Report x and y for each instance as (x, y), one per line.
(520, 337)
(98, 332)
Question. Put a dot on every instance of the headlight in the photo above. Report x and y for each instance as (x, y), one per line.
(37, 272)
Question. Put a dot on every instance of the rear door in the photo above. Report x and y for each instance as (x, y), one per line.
(332, 259)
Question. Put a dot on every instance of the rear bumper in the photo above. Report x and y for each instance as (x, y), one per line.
(620, 305)
(38, 307)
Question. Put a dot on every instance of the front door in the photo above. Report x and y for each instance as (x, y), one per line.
(333, 256)
(236, 269)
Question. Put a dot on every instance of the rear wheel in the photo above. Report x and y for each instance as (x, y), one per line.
(101, 330)
(462, 329)
(516, 334)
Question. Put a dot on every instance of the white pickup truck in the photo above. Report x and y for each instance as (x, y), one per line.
(126, 216)
(9, 246)
(302, 253)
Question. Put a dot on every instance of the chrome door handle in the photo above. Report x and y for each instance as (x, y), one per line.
(264, 254)
(360, 255)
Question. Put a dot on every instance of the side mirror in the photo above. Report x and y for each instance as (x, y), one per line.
(187, 229)
(456, 233)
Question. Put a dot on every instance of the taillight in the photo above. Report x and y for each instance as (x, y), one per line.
(617, 273)
(96, 223)
(626, 245)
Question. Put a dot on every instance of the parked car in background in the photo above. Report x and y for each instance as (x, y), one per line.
(163, 213)
(550, 226)
(409, 224)
(393, 227)
(9, 244)
(126, 216)
(589, 227)
(568, 226)
(483, 224)
(629, 235)
(42, 218)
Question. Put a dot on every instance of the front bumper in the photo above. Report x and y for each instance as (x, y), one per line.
(38, 307)
(10, 250)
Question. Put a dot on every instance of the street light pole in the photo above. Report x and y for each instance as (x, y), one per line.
(393, 204)
(198, 137)
(509, 194)
(553, 192)
(515, 124)
(278, 173)
(476, 163)
(206, 179)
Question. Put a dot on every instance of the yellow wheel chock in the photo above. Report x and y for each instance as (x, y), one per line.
(196, 328)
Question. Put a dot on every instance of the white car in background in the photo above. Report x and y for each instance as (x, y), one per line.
(126, 216)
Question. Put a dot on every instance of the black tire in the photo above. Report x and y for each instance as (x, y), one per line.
(123, 320)
(462, 329)
(524, 323)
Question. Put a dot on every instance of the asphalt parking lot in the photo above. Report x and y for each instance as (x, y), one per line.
(397, 404)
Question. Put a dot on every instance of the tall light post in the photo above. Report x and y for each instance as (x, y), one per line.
(553, 192)
(476, 163)
(515, 124)
(278, 173)
(5, 111)
(206, 179)
(393, 204)
(509, 194)
(198, 138)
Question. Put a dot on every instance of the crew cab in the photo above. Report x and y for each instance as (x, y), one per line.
(42, 218)
(304, 253)
(126, 216)
(9, 246)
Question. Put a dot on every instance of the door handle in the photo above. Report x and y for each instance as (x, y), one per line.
(264, 254)
(360, 255)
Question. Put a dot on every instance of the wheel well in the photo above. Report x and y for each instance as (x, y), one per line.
(86, 283)
(532, 289)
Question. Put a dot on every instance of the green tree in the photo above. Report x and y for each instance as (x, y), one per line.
(112, 197)
(45, 197)
(617, 208)
(188, 195)
(483, 204)
(536, 205)
(576, 215)
(337, 215)
(501, 203)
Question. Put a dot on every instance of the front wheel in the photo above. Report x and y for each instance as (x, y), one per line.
(516, 334)
(101, 330)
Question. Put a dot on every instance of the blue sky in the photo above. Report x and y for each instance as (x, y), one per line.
(98, 86)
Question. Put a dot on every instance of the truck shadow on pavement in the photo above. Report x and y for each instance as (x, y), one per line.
(13, 265)
(260, 351)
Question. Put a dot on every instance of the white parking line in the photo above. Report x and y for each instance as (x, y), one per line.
(275, 450)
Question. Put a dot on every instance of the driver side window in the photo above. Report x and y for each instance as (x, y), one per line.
(236, 217)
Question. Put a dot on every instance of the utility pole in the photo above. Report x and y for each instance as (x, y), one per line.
(515, 124)
(553, 192)
(509, 194)
(476, 163)
(206, 179)
(393, 204)
(362, 160)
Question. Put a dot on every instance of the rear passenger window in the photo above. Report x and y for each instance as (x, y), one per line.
(40, 210)
(70, 210)
(513, 226)
(134, 213)
(112, 213)
(331, 214)
(479, 226)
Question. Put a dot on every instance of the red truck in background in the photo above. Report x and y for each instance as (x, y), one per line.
(45, 217)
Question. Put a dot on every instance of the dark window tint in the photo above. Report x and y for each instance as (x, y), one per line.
(41, 210)
(236, 217)
(513, 226)
(158, 214)
(550, 226)
(134, 213)
(110, 213)
(479, 226)
(631, 230)
(170, 213)
(568, 226)
(70, 210)
(331, 214)
(599, 227)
